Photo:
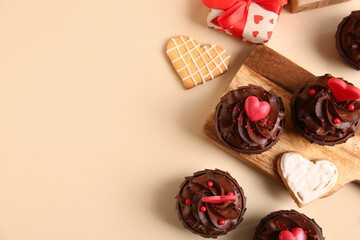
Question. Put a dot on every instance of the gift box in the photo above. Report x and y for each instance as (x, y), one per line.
(253, 21)
(301, 5)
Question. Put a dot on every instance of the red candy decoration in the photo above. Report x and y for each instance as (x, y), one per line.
(312, 92)
(230, 193)
(342, 91)
(351, 107)
(210, 183)
(221, 221)
(256, 110)
(295, 234)
(203, 209)
(337, 120)
(188, 201)
(219, 199)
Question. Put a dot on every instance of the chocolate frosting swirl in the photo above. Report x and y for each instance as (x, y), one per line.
(315, 114)
(348, 39)
(206, 223)
(238, 132)
(271, 226)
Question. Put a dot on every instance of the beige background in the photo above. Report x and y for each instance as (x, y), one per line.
(97, 132)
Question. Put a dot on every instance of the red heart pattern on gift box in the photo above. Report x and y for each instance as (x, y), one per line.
(258, 18)
(342, 91)
(255, 33)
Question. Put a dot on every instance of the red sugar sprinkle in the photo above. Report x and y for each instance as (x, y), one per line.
(277, 222)
(244, 90)
(188, 201)
(278, 226)
(210, 183)
(230, 110)
(258, 136)
(264, 94)
(230, 193)
(221, 221)
(337, 120)
(351, 107)
(203, 209)
(304, 220)
(310, 135)
(309, 230)
(269, 122)
(263, 130)
(251, 130)
(267, 117)
(312, 92)
(240, 122)
(245, 126)
(305, 232)
(238, 118)
(238, 109)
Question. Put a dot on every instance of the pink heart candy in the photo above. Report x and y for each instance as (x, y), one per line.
(219, 199)
(256, 110)
(295, 234)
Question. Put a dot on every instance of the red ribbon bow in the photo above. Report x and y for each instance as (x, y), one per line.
(236, 11)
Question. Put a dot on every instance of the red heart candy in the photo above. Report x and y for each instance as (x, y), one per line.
(256, 110)
(255, 33)
(295, 234)
(342, 91)
(258, 18)
(219, 199)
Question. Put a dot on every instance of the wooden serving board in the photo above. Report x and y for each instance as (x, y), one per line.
(272, 71)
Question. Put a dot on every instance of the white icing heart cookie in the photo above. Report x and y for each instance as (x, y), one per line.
(306, 180)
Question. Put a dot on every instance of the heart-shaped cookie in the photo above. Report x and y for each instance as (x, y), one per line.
(196, 64)
(256, 110)
(306, 180)
(342, 91)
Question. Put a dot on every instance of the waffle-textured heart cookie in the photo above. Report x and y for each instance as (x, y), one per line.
(306, 180)
(196, 64)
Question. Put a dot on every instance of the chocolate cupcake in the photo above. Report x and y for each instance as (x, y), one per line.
(288, 224)
(326, 110)
(348, 39)
(210, 203)
(249, 119)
